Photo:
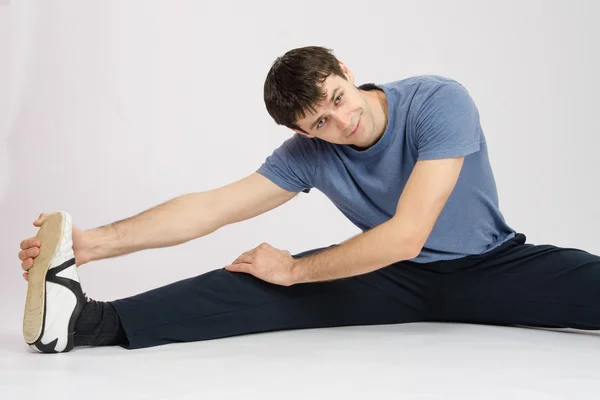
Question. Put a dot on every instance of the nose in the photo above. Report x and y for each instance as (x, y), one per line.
(343, 120)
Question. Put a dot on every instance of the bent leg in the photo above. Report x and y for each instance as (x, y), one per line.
(220, 303)
(524, 284)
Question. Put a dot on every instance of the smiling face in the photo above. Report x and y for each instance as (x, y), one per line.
(347, 116)
(312, 92)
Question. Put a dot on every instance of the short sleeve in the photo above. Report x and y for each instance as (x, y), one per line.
(291, 166)
(447, 123)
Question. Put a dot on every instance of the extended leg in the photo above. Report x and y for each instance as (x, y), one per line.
(220, 303)
(525, 284)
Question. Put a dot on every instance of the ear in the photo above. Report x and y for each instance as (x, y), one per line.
(347, 72)
(308, 135)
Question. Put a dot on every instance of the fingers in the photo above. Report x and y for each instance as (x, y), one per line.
(30, 248)
(29, 253)
(239, 267)
(31, 242)
(247, 257)
(242, 263)
(27, 264)
(40, 220)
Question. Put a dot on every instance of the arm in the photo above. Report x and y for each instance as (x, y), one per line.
(446, 129)
(400, 238)
(186, 217)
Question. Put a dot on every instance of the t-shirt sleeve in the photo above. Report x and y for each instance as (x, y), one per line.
(291, 166)
(447, 123)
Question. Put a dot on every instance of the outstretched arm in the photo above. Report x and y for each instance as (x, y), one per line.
(186, 217)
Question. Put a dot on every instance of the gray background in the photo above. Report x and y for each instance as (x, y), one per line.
(109, 108)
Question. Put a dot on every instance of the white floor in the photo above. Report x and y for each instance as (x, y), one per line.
(408, 361)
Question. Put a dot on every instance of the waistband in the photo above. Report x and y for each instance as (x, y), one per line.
(517, 240)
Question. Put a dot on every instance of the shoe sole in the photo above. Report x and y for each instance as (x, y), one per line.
(50, 235)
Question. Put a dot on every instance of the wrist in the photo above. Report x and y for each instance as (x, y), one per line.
(90, 248)
(297, 273)
(84, 253)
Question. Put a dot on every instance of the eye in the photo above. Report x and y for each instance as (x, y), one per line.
(337, 100)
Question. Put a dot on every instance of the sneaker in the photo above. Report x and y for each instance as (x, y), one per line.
(55, 297)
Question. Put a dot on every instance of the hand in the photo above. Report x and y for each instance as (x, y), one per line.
(267, 263)
(30, 248)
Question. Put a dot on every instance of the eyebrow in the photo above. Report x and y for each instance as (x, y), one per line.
(331, 101)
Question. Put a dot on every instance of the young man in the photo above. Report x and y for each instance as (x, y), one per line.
(406, 162)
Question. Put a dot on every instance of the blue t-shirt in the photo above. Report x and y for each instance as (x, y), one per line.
(430, 117)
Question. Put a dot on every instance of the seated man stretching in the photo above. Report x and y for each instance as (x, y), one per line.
(405, 161)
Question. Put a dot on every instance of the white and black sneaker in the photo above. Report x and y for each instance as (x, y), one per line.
(55, 297)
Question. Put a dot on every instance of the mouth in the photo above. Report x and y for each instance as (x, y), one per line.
(355, 129)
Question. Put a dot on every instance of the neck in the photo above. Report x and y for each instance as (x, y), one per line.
(383, 111)
(379, 108)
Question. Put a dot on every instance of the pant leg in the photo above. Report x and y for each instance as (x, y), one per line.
(220, 303)
(525, 284)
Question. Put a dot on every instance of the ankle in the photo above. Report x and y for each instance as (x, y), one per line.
(99, 325)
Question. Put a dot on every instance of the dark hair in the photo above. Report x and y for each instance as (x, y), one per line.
(293, 84)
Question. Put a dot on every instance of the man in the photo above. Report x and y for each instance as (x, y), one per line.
(406, 162)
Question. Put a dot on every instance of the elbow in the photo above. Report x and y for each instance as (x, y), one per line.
(408, 240)
(410, 252)
(409, 248)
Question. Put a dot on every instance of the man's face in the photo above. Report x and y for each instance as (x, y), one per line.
(344, 117)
